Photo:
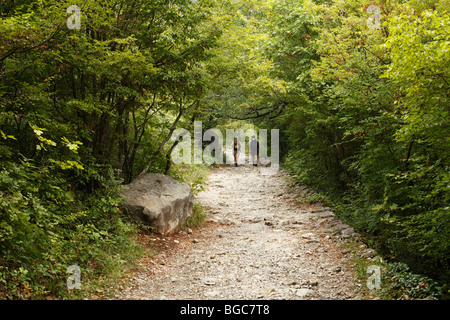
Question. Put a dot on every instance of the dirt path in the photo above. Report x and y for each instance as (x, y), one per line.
(260, 243)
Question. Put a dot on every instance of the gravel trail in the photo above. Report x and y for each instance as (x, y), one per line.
(259, 243)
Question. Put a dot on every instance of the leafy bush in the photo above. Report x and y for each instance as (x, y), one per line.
(400, 283)
(47, 225)
(194, 175)
(197, 218)
(367, 124)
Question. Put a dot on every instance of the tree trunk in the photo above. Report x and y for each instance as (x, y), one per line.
(163, 143)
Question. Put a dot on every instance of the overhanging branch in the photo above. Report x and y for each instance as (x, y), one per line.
(272, 113)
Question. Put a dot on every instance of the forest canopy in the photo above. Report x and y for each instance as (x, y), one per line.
(359, 90)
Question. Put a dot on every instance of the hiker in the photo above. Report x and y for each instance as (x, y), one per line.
(254, 150)
(236, 149)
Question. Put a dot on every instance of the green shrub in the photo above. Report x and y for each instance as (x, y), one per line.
(400, 283)
(48, 225)
(195, 175)
(197, 218)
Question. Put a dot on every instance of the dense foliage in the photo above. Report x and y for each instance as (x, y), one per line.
(362, 102)
(368, 118)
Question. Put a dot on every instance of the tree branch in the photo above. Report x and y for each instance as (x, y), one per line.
(163, 143)
(280, 107)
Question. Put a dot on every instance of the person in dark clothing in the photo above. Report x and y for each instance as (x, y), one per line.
(236, 148)
(254, 150)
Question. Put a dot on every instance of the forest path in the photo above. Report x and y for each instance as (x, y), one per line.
(259, 243)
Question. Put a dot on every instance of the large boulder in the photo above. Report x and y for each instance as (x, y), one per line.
(159, 201)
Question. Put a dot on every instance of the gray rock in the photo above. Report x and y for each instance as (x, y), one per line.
(369, 253)
(213, 293)
(290, 283)
(308, 235)
(323, 213)
(209, 281)
(335, 227)
(349, 233)
(303, 292)
(159, 201)
(312, 283)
